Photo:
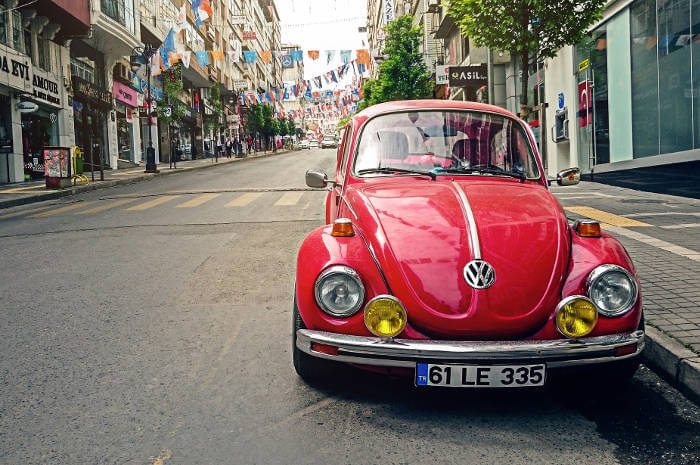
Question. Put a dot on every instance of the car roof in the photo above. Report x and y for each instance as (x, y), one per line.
(429, 104)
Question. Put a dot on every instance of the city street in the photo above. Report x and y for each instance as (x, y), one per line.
(151, 324)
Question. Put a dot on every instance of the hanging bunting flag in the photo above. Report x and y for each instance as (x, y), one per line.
(265, 56)
(333, 78)
(233, 55)
(186, 57)
(173, 57)
(167, 47)
(217, 55)
(313, 54)
(155, 65)
(345, 56)
(297, 55)
(330, 54)
(181, 19)
(363, 56)
(249, 56)
(202, 58)
(285, 95)
(205, 11)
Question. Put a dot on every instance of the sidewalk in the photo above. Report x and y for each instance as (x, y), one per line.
(12, 195)
(662, 235)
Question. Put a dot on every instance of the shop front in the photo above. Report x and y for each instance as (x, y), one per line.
(91, 107)
(126, 102)
(187, 134)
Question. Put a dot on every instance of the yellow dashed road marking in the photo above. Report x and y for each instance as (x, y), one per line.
(23, 190)
(56, 211)
(107, 206)
(243, 200)
(288, 199)
(23, 212)
(605, 217)
(165, 454)
(197, 201)
(153, 203)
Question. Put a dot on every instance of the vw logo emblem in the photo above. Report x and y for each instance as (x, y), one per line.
(479, 274)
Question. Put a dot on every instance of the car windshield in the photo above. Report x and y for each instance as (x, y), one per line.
(445, 142)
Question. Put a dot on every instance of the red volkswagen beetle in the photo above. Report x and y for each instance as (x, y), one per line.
(446, 258)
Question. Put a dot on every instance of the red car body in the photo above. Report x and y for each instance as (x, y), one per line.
(413, 237)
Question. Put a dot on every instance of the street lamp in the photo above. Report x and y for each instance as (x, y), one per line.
(140, 56)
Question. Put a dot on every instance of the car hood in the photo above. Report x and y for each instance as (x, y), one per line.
(421, 234)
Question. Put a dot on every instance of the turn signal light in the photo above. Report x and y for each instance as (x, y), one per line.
(342, 227)
(324, 348)
(588, 228)
(576, 316)
(385, 316)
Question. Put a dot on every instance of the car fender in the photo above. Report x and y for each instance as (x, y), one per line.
(320, 250)
(587, 253)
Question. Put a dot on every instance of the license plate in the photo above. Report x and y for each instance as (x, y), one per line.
(480, 376)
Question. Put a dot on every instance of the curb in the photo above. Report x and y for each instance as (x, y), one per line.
(673, 361)
(123, 182)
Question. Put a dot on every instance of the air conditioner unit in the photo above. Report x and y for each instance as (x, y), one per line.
(433, 6)
(123, 72)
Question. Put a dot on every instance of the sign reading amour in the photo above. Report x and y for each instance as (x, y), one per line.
(45, 89)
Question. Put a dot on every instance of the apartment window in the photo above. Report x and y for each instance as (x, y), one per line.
(3, 25)
(17, 37)
(121, 11)
(28, 44)
(82, 69)
(44, 53)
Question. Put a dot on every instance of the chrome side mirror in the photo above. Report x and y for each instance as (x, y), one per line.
(317, 179)
(568, 177)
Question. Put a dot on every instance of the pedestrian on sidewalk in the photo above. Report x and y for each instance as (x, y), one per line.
(229, 147)
(174, 152)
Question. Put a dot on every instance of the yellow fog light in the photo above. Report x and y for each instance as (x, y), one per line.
(576, 316)
(385, 316)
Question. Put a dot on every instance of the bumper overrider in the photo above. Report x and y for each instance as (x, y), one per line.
(375, 351)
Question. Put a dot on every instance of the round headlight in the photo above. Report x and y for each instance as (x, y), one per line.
(576, 316)
(612, 289)
(385, 316)
(339, 291)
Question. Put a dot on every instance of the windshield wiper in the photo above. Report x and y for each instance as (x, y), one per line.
(465, 170)
(388, 169)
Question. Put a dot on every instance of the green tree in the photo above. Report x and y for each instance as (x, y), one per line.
(170, 108)
(254, 121)
(523, 27)
(343, 121)
(215, 120)
(403, 74)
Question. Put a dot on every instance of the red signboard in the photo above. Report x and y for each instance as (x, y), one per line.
(248, 35)
(585, 104)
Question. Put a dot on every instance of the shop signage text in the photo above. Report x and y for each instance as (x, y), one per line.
(442, 74)
(19, 69)
(388, 11)
(248, 35)
(45, 89)
(125, 94)
(88, 90)
(27, 107)
(468, 76)
(240, 84)
(237, 20)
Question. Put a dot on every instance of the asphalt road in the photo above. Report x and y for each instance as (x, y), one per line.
(151, 324)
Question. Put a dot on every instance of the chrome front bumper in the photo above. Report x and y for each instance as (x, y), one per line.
(407, 352)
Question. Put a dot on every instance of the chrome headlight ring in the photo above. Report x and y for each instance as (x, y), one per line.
(339, 291)
(605, 302)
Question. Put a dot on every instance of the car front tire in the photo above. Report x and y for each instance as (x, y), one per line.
(309, 368)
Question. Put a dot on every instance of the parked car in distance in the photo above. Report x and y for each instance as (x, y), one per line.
(446, 258)
(328, 142)
(304, 144)
(313, 144)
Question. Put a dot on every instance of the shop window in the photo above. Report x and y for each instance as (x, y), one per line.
(645, 69)
(695, 46)
(676, 133)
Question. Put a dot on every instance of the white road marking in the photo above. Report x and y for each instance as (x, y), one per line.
(681, 226)
(654, 242)
(634, 215)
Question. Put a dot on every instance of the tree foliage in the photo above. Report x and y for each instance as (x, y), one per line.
(403, 74)
(170, 108)
(521, 27)
(254, 122)
(215, 121)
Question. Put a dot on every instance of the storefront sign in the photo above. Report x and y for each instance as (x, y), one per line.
(248, 35)
(15, 70)
(468, 76)
(27, 107)
(45, 89)
(233, 118)
(240, 84)
(125, 94)
(585, 104)
(584, 64)
(86, 90)
(388, 11)
(190, 115)
(442, 74)
(237, 19)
